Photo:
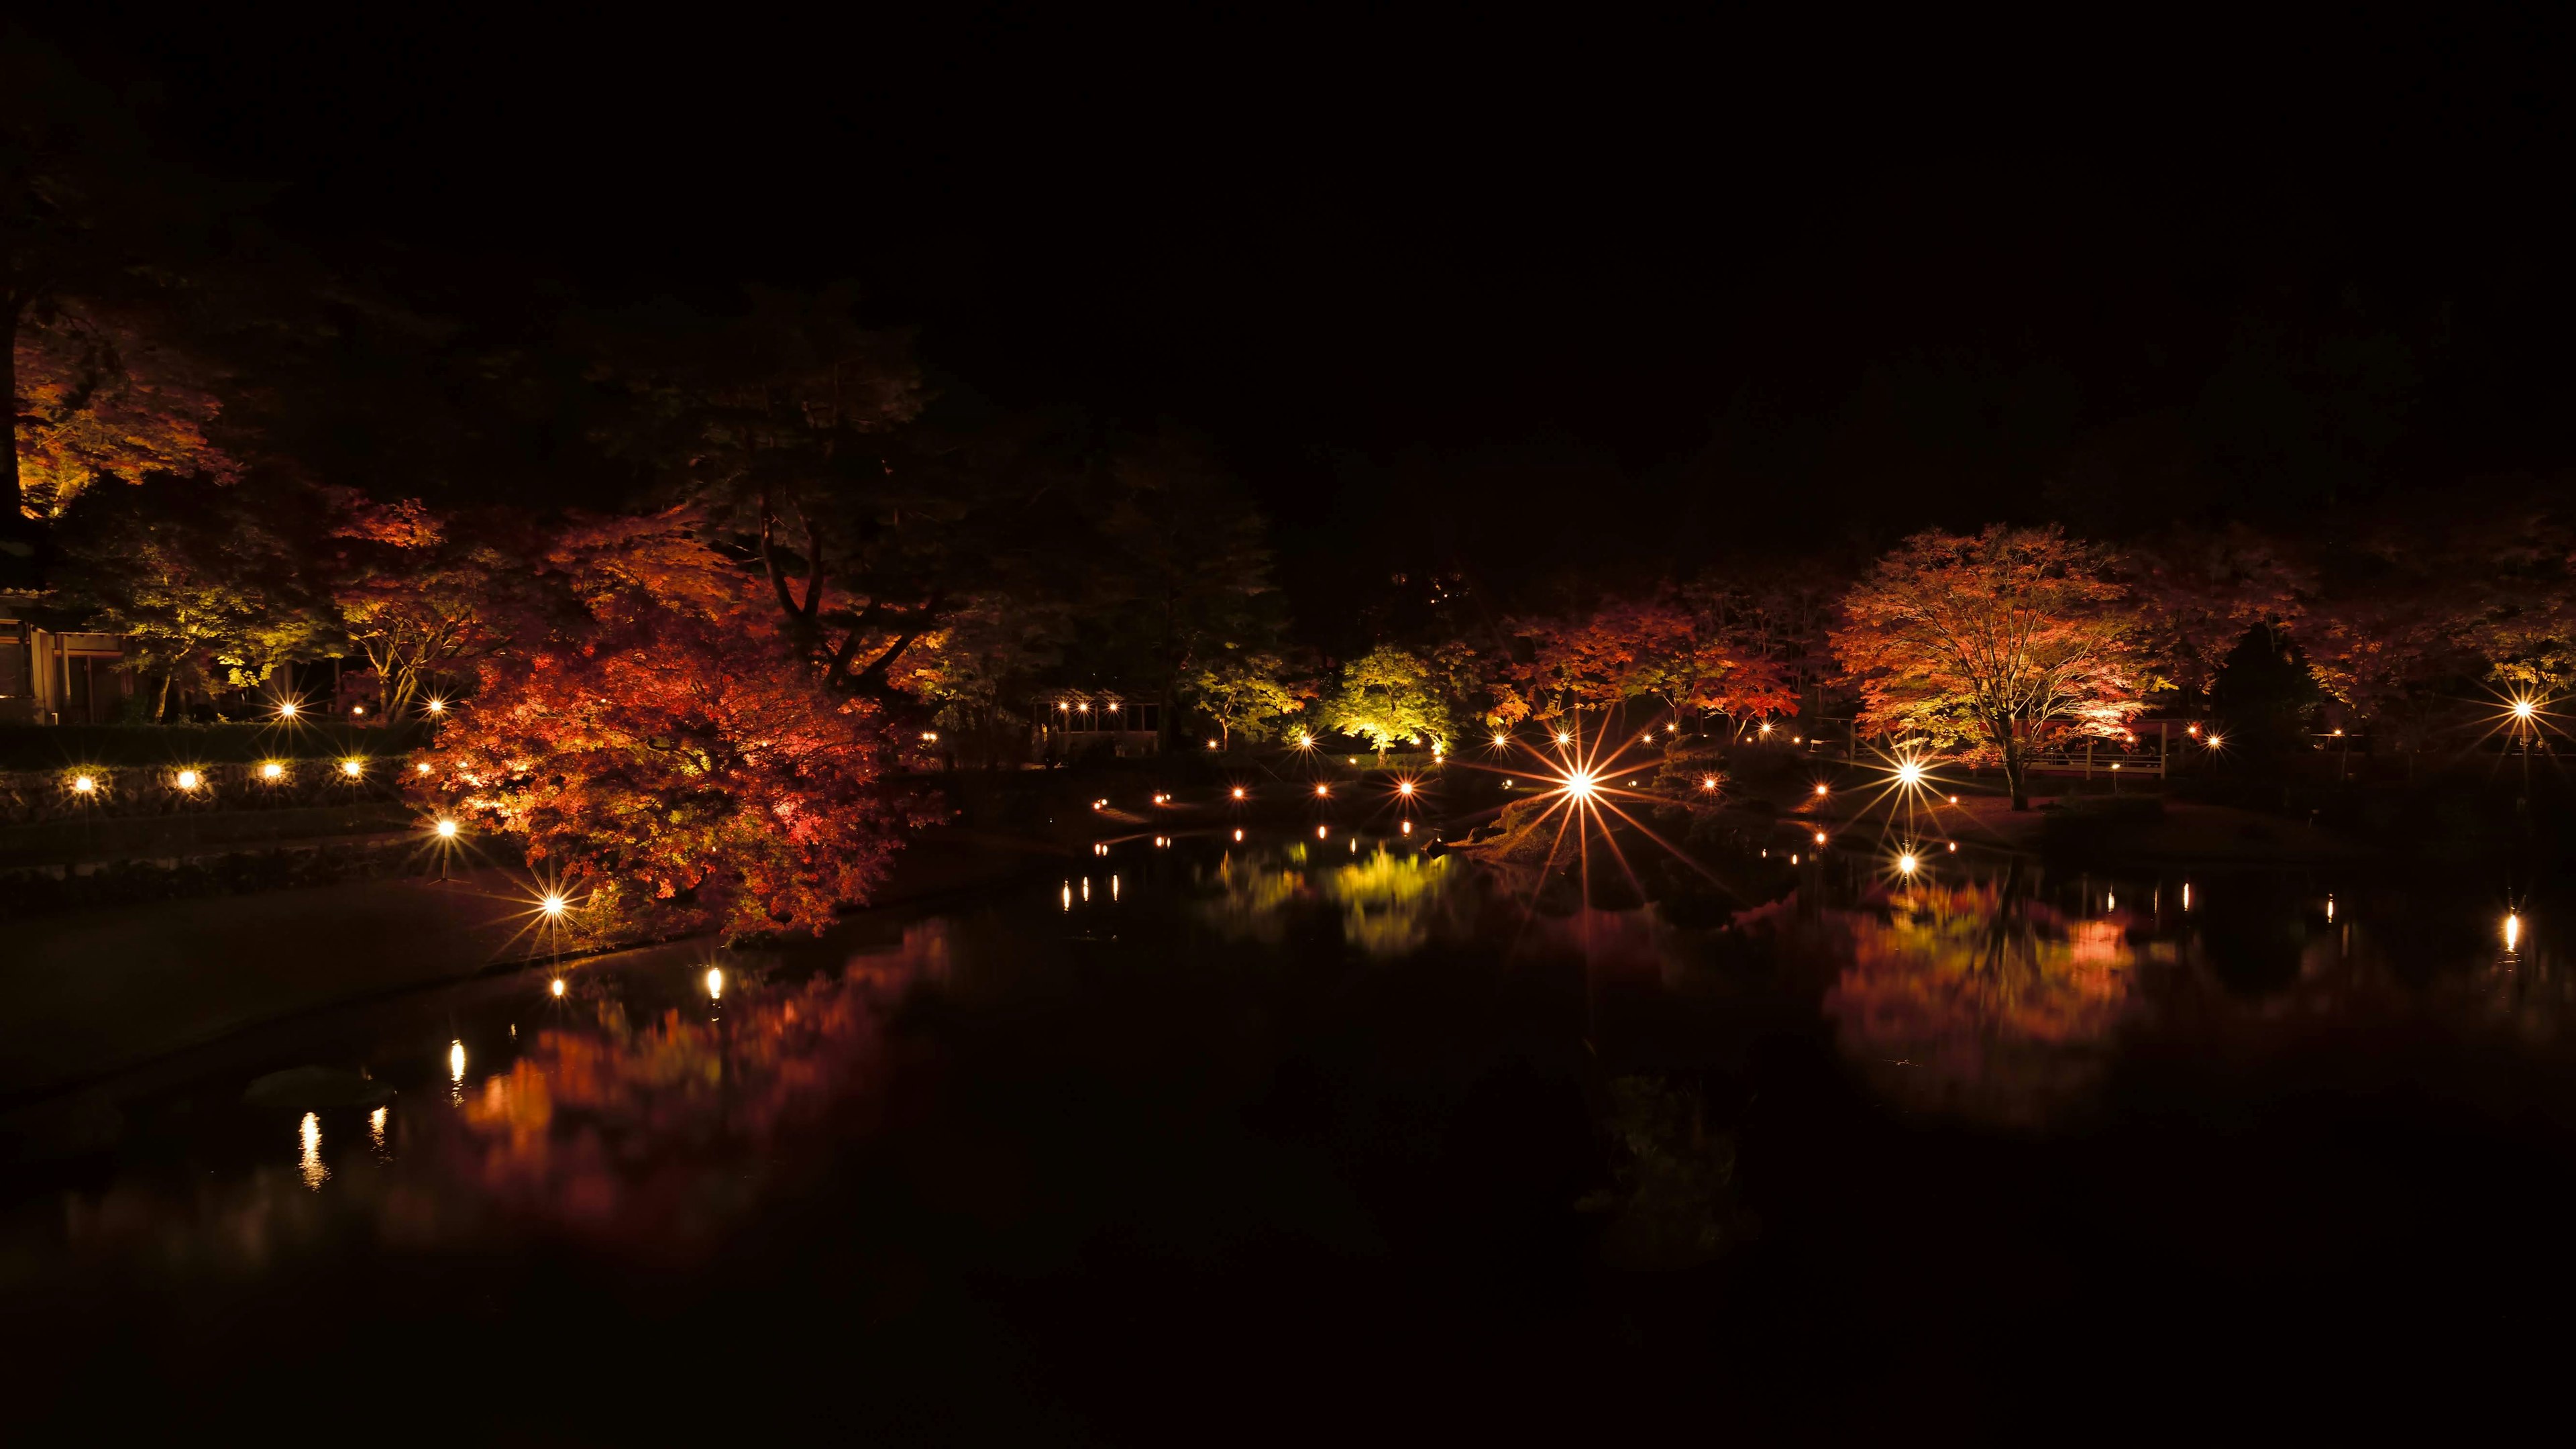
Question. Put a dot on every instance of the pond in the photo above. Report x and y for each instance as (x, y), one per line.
(1214, 1137)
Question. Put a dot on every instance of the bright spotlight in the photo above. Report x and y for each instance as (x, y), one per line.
(2524, 709)
(271, 770)
(1905, 863)
(552, 905)
(1820, 787)
(1581, 784)
(288, 710)
(1909, 773)
(1404, 787)
(84, 785)
(352, 768)
(436, 706)
(187, 779)
(1324, 790)
(1238, 792)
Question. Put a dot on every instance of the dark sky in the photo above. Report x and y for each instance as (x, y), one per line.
(1528, 295)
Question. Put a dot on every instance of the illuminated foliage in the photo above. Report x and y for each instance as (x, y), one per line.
(663, 751)
(203, 583)
(100, 398)
(1693, 650)
(420, 594)
(1388, 698)
(1998, 643)
(1247, 694)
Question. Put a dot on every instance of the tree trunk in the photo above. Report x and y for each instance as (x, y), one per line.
(161, 711)
(2016, 779)
(13, 499)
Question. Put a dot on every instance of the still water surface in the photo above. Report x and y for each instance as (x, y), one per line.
(1205, 1137)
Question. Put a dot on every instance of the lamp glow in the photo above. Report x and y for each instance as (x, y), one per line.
(271, 770)
(447, 830)
(1581, 784)
(1905, 863)
(2523, 709)
(1238, 792)
(1324, 790)
(436, 706)
(552, 905)
(187, 779)
(1404, 787)
(557, 988)
(288, 710)
(84, 785)
(1820, 787)
(1820, 837)
(420, 768)
(352, 768)
(2512, 931)
(1909, 773)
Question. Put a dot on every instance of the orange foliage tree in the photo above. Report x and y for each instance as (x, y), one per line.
(1999, 643)
(661, 748)
(100, 397)
(1678, 648)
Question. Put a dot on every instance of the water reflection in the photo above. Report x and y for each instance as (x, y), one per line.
(310, 1165)
(1388, 901)
(1977, 998)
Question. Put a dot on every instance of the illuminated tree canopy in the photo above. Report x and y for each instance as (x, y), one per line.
(2002, 642)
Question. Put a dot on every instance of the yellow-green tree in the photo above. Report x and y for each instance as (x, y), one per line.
(1388, 697)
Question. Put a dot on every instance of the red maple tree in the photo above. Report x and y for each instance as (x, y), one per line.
(665, 753)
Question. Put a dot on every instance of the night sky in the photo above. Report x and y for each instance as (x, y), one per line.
(1515, 300)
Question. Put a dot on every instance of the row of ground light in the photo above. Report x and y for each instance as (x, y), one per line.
(88, 790)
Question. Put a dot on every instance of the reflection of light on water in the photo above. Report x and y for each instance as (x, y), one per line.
(1068, 895)
(1113, 887)
(2329, 910)
(315, 1174)
(1979, 1001)
(1086, 888)
(715, 983)
(2512, 931)
(376, 1128)
(456, 1063)
(2186, 895)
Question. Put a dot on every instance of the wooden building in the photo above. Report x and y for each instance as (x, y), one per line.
(54, 677)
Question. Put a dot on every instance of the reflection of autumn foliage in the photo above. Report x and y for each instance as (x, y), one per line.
(665, 749)
(1388, 900)
(615, 1126)
(1968, 999)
